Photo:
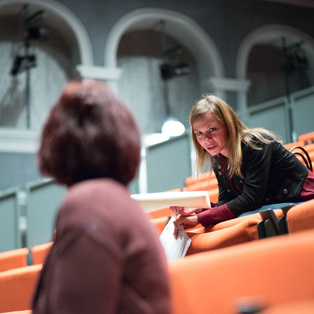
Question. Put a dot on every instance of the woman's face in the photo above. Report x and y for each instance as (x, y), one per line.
(211, 134)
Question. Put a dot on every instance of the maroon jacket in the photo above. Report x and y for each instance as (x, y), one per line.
(106, 257)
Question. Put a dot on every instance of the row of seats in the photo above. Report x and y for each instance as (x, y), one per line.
(19, 271)
(24, 256)
(272, 275)
(191, 281)
(242, 229)
(17, 286)
(229, 268)
(239, 269)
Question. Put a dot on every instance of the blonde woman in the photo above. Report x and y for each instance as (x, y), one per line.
(254, 171)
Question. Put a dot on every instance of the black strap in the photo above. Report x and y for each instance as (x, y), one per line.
(306, 158)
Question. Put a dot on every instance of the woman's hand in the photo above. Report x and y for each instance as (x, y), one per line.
(184, 222)
(184, 211)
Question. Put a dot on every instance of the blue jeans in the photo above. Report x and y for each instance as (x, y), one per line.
(268, 207)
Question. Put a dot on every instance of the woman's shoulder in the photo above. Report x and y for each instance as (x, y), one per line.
(102, 187)
(104, 203)
(90, 197)
(259, 138)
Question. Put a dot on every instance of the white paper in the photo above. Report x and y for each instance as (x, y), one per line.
(189, 199)
(174, 247)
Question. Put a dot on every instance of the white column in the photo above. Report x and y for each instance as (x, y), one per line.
(222, 85)
(108, 75)
(19, 141)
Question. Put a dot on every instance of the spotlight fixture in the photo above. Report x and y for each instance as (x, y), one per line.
(23, 63)
(169, 70)
(173, 61)
(37, 33)
(294, 58)
(26, 60)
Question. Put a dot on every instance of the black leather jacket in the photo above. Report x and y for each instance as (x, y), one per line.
(271, 175)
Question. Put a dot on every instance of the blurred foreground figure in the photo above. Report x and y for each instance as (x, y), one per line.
(106, 256)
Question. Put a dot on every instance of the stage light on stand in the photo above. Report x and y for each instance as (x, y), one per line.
(23, 63)
(26, 59)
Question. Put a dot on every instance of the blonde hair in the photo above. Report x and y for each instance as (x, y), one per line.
(237, 133)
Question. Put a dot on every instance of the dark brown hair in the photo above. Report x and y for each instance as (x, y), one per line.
(89, 134)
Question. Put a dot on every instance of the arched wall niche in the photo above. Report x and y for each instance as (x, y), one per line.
(268, 112)
(180, 27)
(16, 136)
(267, 35)
(272, 35)
(149, 108)
(61, 19)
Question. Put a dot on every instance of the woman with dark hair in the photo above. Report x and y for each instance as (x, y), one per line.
(254, 171)
(106, 256)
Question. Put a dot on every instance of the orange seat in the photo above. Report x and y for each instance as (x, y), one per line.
(18, 312)
(277, 270)
(288, 146)
(307, 138)
(39, 252)
(206, 176)
(160, 223)
(214, 195)
(202, 186)
(159, 213)
(231, 222)
(17, 288)
(302, 307)
(301, 217)
(309, 147)
(227, 233)
(13, 259)
(240, 233)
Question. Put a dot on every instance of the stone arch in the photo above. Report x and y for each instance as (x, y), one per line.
(267, 34)
(59, 17)
(182, 28)
(272, 35)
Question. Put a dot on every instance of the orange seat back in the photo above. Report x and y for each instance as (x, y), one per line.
(160, 223)
(13, 259)
(301, 217)
(39, 252)
(159, 213)
(306, 138)
(276, 270)
(302, 307)
(17, 288)
(242, 232)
